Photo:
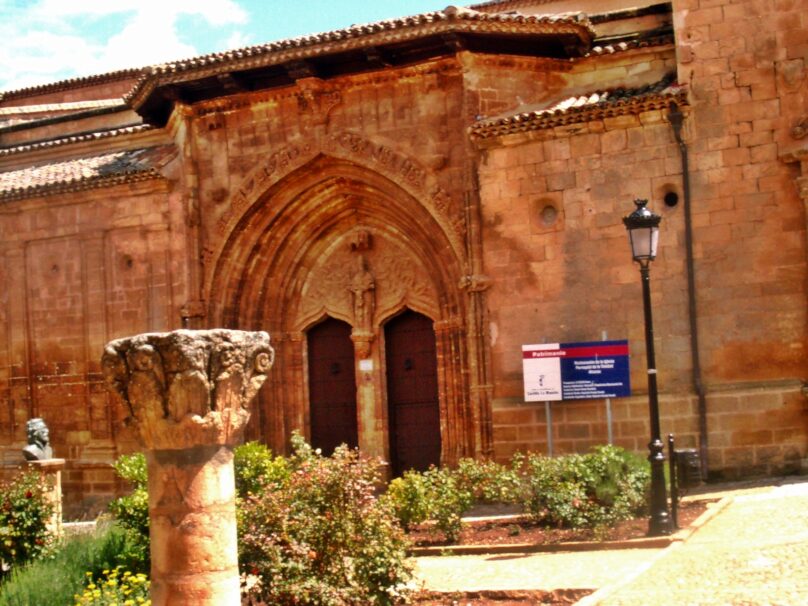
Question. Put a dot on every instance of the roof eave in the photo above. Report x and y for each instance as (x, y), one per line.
(154, 94)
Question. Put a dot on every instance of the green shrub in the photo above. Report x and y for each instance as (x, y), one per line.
(322, 538)
(24, 515)
(488, 481)
(437, 494)
(580, 491)
(409, 497)
(132, 511)
(256, 468)
(449, 500)
(56, 579)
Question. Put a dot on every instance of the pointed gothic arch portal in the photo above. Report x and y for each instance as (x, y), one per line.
(337, 241)
(412, 393)
(332, 386)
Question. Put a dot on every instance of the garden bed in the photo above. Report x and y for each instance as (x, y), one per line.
(508, 530)
(559, 597)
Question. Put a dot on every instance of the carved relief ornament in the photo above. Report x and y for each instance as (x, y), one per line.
(187, 388)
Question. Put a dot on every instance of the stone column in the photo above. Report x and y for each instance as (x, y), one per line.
(187, 392)
(50, 476)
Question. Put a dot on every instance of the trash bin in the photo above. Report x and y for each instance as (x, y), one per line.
(688, 467)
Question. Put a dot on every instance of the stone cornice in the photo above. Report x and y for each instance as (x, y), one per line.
(334, 86)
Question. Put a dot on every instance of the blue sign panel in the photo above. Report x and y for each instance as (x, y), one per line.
(576, 371)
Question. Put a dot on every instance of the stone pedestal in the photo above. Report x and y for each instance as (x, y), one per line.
(50, 476)
(187, 392)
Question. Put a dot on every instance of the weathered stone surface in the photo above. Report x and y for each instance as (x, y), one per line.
(261, 211)
(188, 388)
(188, 393)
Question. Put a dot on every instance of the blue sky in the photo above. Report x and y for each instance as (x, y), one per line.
(49, 40)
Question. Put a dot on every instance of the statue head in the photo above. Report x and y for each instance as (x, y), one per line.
(38, 441)
(38, 432)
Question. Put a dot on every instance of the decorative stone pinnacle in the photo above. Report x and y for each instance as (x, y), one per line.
(188, 387)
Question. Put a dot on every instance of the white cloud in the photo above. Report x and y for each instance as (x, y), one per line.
(56, 39)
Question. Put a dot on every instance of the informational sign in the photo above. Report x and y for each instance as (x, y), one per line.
(576, 371)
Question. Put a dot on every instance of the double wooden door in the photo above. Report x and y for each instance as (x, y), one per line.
(412, 390)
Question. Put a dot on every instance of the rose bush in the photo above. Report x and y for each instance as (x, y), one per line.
(322, 537)
(24, 515)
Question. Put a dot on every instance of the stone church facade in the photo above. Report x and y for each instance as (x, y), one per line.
(402, 206)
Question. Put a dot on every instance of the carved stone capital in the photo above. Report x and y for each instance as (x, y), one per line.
(188, 388)
(475, 283)
(362, 341)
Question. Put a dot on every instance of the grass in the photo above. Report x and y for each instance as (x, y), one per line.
(55, 580)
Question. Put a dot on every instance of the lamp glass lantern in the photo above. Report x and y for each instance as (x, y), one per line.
(643, 232)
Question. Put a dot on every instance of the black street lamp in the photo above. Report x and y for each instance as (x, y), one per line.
(643, 233)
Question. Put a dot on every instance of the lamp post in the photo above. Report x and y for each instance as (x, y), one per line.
(643, 233)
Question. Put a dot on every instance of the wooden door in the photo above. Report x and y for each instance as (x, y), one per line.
(332, 386)
(412, 393)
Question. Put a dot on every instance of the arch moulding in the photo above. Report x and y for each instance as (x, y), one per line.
(370, 154)
(302, 227)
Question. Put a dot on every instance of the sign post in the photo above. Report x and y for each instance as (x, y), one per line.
(603, 337)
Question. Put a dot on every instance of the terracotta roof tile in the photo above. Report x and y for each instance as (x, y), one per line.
(70, 83)
(18, 110)
(396, 29)
(359, 31)
(101, 134)
(84, 173)
(619, 47)
(500, 5)
(583, 108)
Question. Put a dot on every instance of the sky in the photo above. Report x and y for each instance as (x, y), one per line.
(45, 41)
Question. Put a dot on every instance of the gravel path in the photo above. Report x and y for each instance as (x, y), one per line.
(547, 571)
(753, 552)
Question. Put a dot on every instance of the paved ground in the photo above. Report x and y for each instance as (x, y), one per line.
(753, 552)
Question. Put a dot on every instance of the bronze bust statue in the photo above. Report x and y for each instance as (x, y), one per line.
(38, 448)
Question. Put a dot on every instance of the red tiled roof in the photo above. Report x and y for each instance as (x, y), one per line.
(84, 173)
(450, 20)
(501, 5)
(596, 105)
(101, 134)
(70, 83)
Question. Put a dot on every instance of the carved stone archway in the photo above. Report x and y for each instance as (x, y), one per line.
(337, 239)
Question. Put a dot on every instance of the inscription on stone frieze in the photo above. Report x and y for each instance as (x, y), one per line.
(380, 155)
(398, 167)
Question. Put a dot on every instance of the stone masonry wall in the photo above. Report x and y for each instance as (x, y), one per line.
(559, 256)
(75, 272)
